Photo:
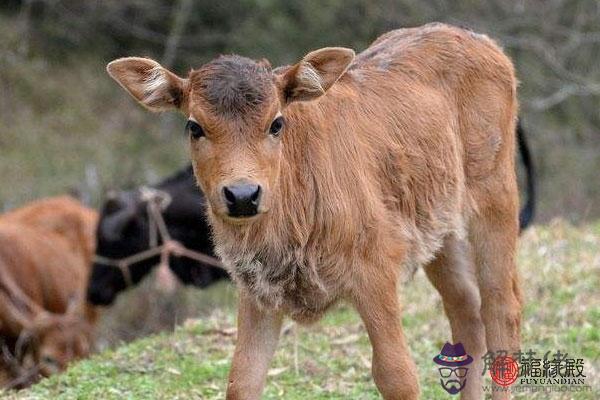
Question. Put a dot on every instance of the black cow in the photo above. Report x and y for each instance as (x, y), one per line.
(123, 230)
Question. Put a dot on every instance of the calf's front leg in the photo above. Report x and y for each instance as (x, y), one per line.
(258, 334)
(394, 372)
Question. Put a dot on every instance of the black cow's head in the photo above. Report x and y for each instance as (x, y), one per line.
(123, 230)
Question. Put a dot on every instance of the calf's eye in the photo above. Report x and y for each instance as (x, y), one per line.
(194, 129)
(276, 126)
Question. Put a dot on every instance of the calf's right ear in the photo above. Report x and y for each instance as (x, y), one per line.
(153, 86)
(314, 74)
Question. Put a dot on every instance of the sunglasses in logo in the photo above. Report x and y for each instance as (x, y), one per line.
(459, 372)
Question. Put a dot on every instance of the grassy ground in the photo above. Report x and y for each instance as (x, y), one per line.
(560, 268)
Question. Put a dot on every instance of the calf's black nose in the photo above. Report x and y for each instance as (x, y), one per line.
(242, 200)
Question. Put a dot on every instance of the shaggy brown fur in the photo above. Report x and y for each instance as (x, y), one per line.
(45, 257)
(402, 158)
(232, 84)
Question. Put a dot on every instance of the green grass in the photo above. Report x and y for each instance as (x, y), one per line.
(560, 269)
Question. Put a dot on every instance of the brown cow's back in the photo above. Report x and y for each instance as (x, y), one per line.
(62, 215)
(468, 70)
(46, 247)
(42, 264)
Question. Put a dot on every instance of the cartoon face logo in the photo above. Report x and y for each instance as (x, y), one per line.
(453, 371)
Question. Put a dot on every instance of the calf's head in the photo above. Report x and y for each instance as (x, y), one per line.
(236, 119)
(59, 340)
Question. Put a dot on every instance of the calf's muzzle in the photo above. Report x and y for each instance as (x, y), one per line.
(242, 199)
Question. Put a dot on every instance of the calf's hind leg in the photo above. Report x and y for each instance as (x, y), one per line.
(452, 273)
(393, 370)
(494, 231)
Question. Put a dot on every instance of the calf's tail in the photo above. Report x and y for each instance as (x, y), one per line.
(527, 212)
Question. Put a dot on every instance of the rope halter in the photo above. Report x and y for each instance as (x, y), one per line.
(156, 202)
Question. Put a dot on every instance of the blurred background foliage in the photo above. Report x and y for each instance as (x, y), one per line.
(65, 126)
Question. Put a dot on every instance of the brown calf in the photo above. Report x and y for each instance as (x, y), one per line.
(45, 259)
(326, 178)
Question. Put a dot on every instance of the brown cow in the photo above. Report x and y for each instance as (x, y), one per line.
(324, 177)
(45, 258)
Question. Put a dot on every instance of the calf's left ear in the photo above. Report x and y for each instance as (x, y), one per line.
(153, 86)
(315, 73)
